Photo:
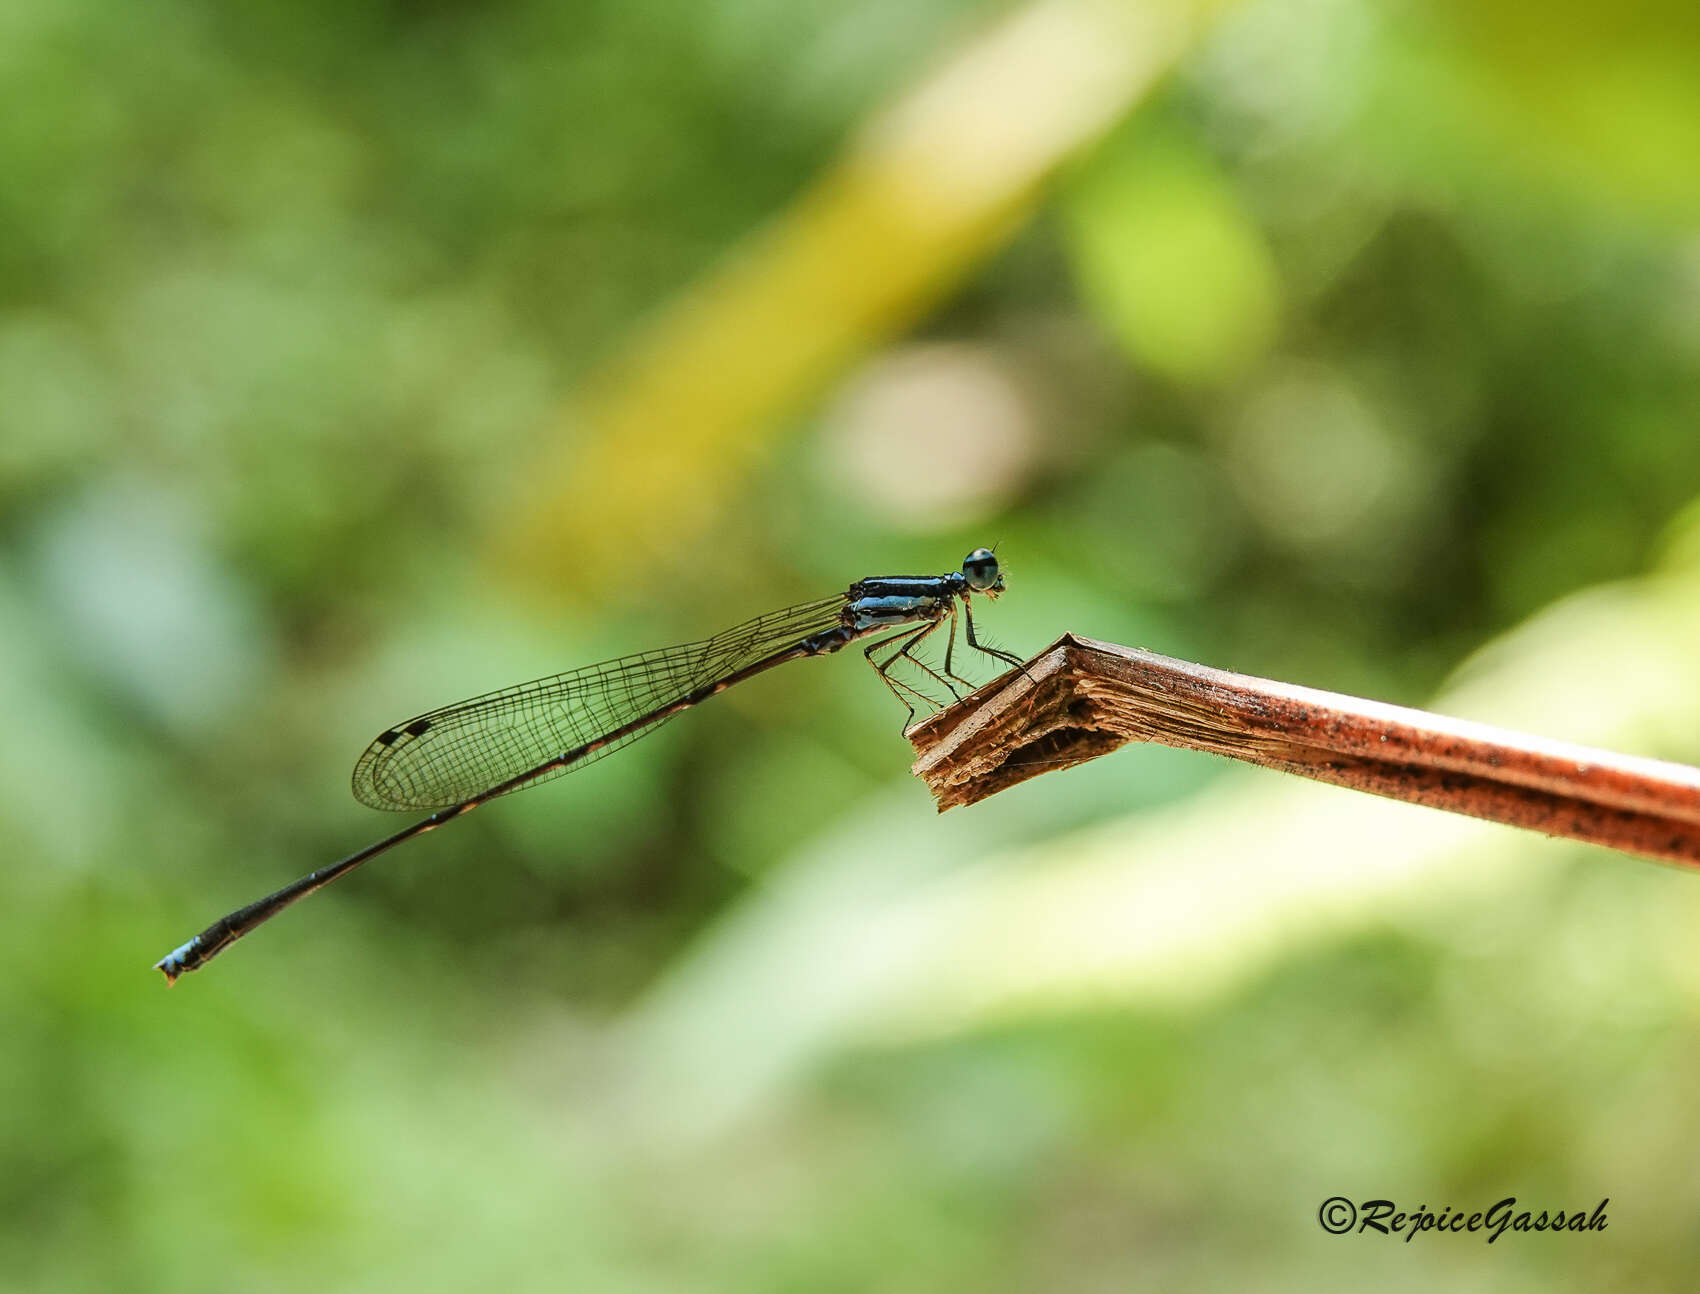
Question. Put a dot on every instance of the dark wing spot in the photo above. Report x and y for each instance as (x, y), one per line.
(418, 728)
(388, 738)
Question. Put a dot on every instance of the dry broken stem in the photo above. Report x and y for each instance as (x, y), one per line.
(1080, 699)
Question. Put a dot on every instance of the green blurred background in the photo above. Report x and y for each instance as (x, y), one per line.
(358, 357)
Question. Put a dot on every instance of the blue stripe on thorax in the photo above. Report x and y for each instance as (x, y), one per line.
(895, 609)
(912, 586)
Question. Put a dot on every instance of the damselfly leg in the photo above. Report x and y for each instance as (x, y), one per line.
(1004, 656)
(905, 639)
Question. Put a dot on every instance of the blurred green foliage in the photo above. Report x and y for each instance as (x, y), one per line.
(1373, 335)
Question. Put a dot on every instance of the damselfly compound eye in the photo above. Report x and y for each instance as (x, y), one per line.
(981, 568)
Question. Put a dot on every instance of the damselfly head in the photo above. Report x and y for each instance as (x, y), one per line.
(980, 569)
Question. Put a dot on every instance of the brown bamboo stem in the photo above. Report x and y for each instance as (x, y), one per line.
(1080, 699)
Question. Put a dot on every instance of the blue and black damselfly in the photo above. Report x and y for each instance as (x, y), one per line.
(454, 759)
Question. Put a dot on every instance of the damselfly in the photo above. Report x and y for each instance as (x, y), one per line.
(456, 758)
